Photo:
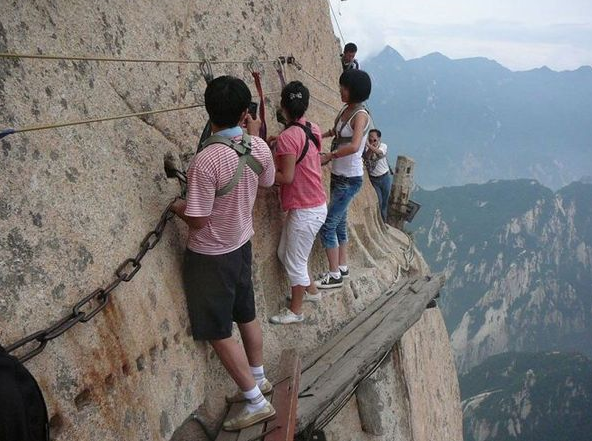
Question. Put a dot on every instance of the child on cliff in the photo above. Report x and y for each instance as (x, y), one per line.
(302, 196)
(350, 131)
(217, 265)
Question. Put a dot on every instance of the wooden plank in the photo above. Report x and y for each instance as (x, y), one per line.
(394, 320)
(285, 398)
(251, 432)
(349, 369)
(351, 326)
(223, 435)
(351, 340)
(353, 364)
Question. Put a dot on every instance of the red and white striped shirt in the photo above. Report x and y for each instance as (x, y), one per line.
(231, 216)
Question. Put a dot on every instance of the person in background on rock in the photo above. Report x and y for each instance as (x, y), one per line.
(348, 58)
(302, 195)
(350, 132)
(379, 170)
(217, 265)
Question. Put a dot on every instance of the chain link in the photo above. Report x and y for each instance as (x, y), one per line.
(97, 296)
(96, 301)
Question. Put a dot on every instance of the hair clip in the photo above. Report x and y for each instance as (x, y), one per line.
(295, 95)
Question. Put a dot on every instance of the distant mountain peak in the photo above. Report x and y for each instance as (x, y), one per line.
(583, 70)
(539, 70)
(391, 53)
(436, 56)
(482, 62)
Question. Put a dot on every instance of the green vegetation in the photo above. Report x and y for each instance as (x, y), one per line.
(481, 248)
(547, 395)
(475, 212)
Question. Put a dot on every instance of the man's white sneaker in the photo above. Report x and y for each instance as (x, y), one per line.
(307, 297)
(286, 317)
(246, 418)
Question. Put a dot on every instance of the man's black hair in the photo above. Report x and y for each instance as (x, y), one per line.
(226, 99)
(295, 98)
(358, 83)
(350, 47)
(378, 132)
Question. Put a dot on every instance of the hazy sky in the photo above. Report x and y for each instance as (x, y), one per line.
(520, 34)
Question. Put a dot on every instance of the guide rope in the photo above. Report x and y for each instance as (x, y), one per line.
(123, 60)
(11, 131)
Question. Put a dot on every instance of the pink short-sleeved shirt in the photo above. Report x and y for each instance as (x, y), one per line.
(231, 216)
(306, 190)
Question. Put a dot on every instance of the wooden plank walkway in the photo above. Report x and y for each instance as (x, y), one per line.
(284, 399)
(332, 371)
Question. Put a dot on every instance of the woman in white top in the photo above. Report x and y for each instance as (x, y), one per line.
(350, 132)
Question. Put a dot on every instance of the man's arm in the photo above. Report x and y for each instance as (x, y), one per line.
(267, 176)
(196, 209)
(179, 207)
(380, 151)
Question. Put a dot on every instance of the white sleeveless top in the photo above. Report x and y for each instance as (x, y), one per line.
(350, 165)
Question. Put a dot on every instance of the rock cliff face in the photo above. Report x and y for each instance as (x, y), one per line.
(75, 202)
(519, 261)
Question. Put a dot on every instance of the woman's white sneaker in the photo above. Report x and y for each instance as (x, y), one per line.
(285, 317)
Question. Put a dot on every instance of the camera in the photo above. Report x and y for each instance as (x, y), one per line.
(253, 110)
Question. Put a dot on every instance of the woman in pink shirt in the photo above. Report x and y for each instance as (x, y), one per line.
(302, 195)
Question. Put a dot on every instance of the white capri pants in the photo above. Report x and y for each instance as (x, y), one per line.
(298, 235)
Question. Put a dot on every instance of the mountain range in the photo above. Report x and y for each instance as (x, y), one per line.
(472, 120)
(518, 261)
(528, 396)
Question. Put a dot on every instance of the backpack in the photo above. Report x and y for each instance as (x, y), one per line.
(338, 139)
(370, 161)
(243, 150)
(23, 413)
(309, 137)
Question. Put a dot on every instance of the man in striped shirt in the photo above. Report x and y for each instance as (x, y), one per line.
(217, 265)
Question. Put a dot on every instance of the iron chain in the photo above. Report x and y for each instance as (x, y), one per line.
(96, 301)
(97, 296)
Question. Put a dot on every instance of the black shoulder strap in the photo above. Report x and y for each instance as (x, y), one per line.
(338, 117)
(205, 134)
(338, 140)
(309, 136)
